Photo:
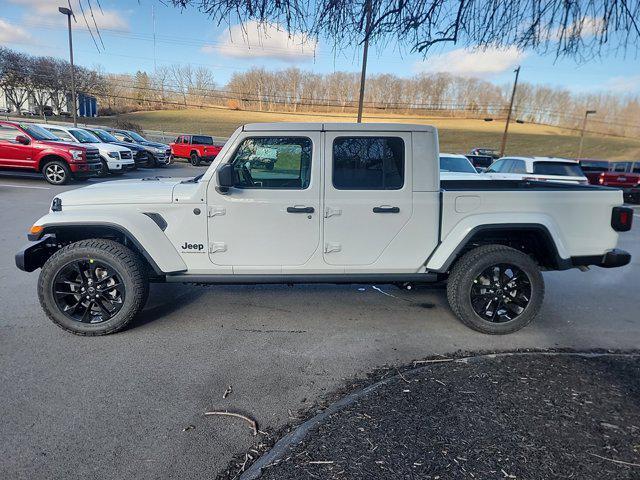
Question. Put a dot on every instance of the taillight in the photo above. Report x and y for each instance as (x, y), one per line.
(601, 179)
(621, 219)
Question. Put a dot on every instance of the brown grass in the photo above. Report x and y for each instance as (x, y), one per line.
(456, 135)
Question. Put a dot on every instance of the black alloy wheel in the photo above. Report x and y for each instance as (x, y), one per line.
(501, 293)
(89, 291)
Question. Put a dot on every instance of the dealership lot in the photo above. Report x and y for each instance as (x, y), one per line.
(132, 404)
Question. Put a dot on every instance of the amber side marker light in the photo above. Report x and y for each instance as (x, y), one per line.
(36, 230)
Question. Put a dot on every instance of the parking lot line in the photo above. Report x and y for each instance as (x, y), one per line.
(24, 186)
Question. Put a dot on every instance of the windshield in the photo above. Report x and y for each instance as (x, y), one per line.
(201, 140)
(136, 137)
(104, 135)
(38, 133)
(594, 166)
(456, 164)
(84, 137)
(564, 169)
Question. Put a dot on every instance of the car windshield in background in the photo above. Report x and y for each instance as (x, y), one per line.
(201, 140)
(84, 137)
(564, 169)
(594, 166)
(455, 164)
(136, 137)
(38, 133)
(104, 135)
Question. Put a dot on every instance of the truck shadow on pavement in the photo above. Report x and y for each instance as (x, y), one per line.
(165, 299)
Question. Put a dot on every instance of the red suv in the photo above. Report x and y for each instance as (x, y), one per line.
(197, 148)
(29, 147)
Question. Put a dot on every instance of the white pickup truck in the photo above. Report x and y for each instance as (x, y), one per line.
(342, 203)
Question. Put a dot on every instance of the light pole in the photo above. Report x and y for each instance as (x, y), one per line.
(365, 52)
(503, 146)
(584, 126)
(67, 11)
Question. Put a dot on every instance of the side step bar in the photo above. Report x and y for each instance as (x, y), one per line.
(251, 279)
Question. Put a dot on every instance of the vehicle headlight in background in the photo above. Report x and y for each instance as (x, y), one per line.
(113, 154)
(76, 154)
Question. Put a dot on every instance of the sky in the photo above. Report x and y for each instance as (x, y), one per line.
(189, 37)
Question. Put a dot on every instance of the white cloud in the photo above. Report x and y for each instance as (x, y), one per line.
(630, 84)
(255, 40)
(589, 27)
(107, 19)
(13, 34)
(471, 63)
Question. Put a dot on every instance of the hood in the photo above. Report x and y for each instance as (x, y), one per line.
(110, 147)
(55, 143)
(145, 191)
(131, 146)
(155, 145)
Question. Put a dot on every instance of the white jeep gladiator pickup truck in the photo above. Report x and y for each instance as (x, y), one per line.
(342, 203)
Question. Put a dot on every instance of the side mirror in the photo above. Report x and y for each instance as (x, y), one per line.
(226, 178)
(24, 140)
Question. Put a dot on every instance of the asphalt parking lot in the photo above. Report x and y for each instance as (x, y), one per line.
(131, 405)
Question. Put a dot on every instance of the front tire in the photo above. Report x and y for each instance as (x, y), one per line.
(56, 172)
(495, 289)
(104, 168)
(93, 287)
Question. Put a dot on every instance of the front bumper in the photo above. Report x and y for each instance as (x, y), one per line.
(33, 255)
(612, 259)
(87, 169)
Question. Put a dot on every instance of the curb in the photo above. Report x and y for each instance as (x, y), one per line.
(282, 446)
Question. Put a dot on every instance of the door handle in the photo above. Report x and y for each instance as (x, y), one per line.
(300, 210)
(386, 209)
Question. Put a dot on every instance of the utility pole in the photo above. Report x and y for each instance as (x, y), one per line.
(365, 52)
(506, 127)
(67, 11)
(584, 126)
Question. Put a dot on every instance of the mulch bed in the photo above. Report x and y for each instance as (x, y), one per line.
(532, 416)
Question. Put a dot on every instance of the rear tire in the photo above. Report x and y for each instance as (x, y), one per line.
(93, 287)
(56, 172)
(495, 289)
(195, 159)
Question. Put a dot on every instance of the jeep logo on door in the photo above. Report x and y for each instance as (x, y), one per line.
(192, 247)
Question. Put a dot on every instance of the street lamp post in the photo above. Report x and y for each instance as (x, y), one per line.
(67, 11)
(584, 126)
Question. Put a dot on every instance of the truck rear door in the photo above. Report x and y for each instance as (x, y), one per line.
(367, 194)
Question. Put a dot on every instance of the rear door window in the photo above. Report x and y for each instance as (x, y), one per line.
(8, 133)
(563, 169)
(368, 163)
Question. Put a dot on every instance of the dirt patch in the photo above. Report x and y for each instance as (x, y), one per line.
(532, 416)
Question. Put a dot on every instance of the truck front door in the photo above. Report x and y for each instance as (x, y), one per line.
(368, 194)
(270, 219)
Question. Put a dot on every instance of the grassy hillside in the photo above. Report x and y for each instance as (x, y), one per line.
(456, 135)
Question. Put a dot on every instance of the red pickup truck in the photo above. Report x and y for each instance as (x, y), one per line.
(197, 148)
(623, 175)
(25, 147)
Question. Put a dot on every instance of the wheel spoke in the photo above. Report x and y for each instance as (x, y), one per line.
(500, 293)
(73, 290)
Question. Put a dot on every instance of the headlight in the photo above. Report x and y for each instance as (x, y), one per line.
(158, 150)
(113, 154)
(76, 154)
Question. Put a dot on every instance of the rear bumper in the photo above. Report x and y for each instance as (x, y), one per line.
(611, 259)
